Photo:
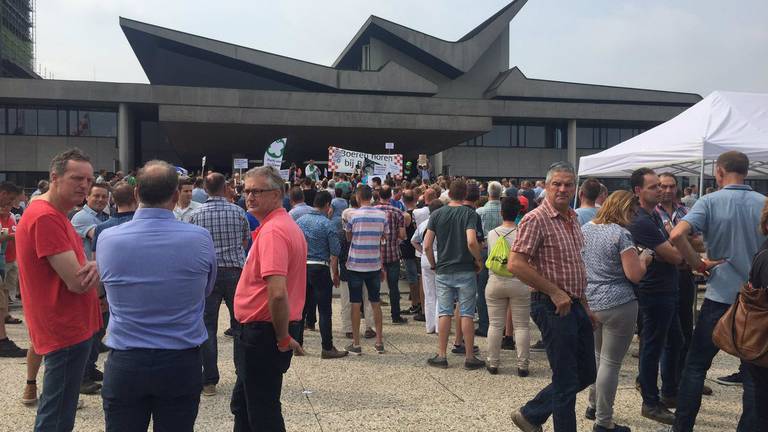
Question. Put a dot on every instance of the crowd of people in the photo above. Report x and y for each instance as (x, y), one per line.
(482, 258)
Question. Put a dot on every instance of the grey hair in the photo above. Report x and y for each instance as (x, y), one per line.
(494, 189)
(268, 172)
(561, 166)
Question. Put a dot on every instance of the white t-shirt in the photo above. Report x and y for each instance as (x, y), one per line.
(184, 214)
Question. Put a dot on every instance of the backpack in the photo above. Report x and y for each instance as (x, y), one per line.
(499, 255)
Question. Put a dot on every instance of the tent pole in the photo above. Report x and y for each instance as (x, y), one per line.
(701, 179)
(576, 197)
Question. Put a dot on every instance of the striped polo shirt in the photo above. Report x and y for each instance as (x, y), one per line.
(367, 226)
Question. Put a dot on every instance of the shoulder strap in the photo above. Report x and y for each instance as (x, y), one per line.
(510, 232)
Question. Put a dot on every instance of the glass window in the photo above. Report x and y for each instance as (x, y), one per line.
(513, 136)
(28, 119)
(497, 137)
(47, 122)
(62, 123)
(97, 123)
(585, 138)
(13, 121)
(613, 137)
(73, 124)
(2, 120)
(535, 136)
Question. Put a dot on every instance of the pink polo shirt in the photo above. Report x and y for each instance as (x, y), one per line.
(279, 248)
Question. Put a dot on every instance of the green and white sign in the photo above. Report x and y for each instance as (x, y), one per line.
(274, 154)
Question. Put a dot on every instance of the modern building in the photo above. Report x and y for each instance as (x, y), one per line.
(17, 44)
(458, 101)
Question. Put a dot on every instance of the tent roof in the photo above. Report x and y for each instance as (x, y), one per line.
(721, 122)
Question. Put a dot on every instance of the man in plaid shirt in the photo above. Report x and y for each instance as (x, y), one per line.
(229, 228)
(390, 250)
(546, 256)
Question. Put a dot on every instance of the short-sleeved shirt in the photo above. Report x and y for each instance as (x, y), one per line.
(553, 244)
(418, 237)
(184, 214)
(321, 235)
(279, 249)
(229, 229)
(586, 214)
(729, 219)
(368, 225)
(450, 225)
(648, 232)
(299, 210)
(56, 317)
(85, 220)
(607, 285)
(490, 217)
(9, 246)
(390, 248)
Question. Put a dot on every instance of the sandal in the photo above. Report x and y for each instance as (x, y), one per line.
(11, 320)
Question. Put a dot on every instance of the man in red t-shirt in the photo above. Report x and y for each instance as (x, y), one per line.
(58, 288)
(269, 301)
(8, 193)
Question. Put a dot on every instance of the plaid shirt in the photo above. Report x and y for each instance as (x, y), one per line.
(390, 251)
(677, 214)
(490, 216)
(553, 244)
(229, 228)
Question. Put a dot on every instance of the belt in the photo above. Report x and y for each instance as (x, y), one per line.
(323, 263)
(536, 296)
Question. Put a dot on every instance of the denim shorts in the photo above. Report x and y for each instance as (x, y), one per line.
(412, 268)
(453, 286)
(372, 282)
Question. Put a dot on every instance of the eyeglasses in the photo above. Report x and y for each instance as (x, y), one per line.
(256, 192)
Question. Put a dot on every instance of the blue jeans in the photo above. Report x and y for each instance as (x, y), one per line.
(140, 384)
(61, 387)
(661, 340)
(482, 306)
(372, 282)
(393, 283)
(223, 289)
(570, 345)
(698, 362)
(460, 286)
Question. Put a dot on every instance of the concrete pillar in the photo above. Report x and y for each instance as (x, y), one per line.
(572, 158)
(126, 150)
(437, 164)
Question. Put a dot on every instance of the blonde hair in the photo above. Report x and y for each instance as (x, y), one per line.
(618, 208)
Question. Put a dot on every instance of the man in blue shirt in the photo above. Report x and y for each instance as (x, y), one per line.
(91, 215)
(729, 219)
(323, 249)
(156, 299)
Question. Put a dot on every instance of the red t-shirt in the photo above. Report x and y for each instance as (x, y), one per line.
(10, 250)
(56, 317)
(279, 248)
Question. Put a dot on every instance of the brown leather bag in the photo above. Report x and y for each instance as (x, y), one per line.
(743, 330)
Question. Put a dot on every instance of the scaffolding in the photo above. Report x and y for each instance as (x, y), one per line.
(17, 38)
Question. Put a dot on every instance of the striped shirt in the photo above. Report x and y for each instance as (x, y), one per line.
(367, 225)
(553, 244)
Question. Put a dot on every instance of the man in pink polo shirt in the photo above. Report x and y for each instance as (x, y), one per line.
(269, 301)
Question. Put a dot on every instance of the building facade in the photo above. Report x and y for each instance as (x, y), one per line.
(459, 102)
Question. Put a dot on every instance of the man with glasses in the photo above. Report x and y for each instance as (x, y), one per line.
(546, 255)
(268, 305)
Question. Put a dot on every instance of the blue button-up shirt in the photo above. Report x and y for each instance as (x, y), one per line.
(322, 236)
(84, 221)
(729, 219)
(157, 292)
(299, 210)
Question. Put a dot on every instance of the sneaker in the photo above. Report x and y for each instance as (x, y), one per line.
(658, 413)
(89, 387)
(493, 370)
(473, 363)
(461, 349)
(522, 373)
(733, 379)
(670, 402)
(209, 390)
(310, 327)
(11, 350)
(438, 362)
(379, 348)
(523, 424)
(369, 334)
(538, 347)
(419, 317)
(616, 428)
(29, 397)
(96, 375)
(11, 320)
(80, 404)
(508, 343)
(354, 350)
(399, 320)
(228, 332)
(707, 390)
(590, 414)
(333, 353)
(410, 311)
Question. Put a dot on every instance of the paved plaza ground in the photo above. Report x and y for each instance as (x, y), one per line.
(395, 391)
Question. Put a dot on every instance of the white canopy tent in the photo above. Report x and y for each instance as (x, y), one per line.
(689, 144)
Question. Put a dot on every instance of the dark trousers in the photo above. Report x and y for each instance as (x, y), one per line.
(393, 283)
(310, 309)
(482, 306)
(698, 362)
(759, 377)
(661, 339)
(163, 385)
(61, 387)
(223, 289)
(93, 357)
(320, 288)
(260, 368)
(570, 345)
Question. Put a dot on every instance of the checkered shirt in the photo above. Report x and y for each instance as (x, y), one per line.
(390, 251)
(553, 244)
(229, 228)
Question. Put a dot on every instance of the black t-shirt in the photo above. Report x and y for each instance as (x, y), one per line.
(758, 275)
(479, 228)
(407, 251)
(648, 231)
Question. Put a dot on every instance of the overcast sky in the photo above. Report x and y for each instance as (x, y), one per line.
(683, 45)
